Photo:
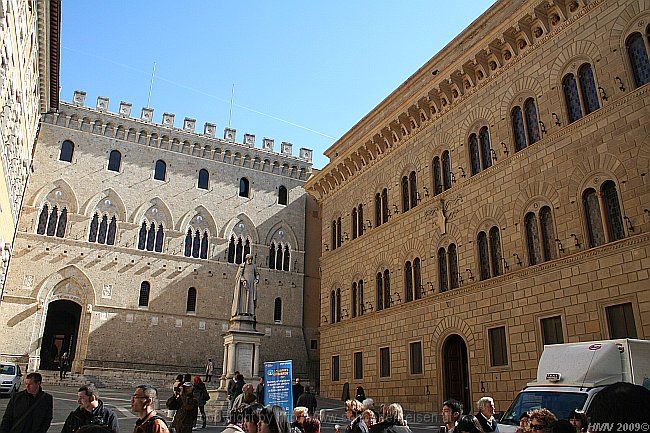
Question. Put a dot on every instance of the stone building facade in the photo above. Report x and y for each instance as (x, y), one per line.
(29, 71)
(496, 201)
(130, 236)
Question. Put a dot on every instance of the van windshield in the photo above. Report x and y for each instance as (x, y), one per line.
(560, 403)
(7, 369)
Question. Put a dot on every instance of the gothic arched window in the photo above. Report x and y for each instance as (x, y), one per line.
(413, 189)
(334, 234)
(446, 170)
(142, 236)
(360, 301)
(380, 291)
(638, 57)
(188, 243)
(283, 195)
(547, 233)
(94, 227)
(377, 210)
(143, 298)
(339, 236)
(474, 155)
(338, 305)
(114, 160)
(160, 170)
(67, 150)
(532, 239)
(52, 221)
(417, 278)
(160, 236)
(191, 300)
(112, 230)
(277, 310)
(532, 124)
(272, 256)
(239, 250)
(63, 220)
(437, 176)
(204, 179)
(360, 226)
(452, 257)
(231, 249)
(353, 299)
(354, 220)
(486, 150)
(388, 300)
(287, 258)
(517, 121)
(42, 220)
(495, 251)
(405, 194)
(332, 307)
(483, 256)
(384, 205)
(244, 187)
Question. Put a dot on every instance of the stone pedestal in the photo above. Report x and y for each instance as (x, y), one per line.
(241, 352)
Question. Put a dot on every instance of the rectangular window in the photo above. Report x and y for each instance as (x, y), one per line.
(552, 330)
(498, 349)
(620, 320)
(384, 362)
(335, 368)
(313, 344)
(415, 350)
(358, 365)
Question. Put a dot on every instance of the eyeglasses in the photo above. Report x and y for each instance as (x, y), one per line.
(133, 397)
(537, 426)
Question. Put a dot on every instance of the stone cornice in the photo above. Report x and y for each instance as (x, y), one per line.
(373, 140)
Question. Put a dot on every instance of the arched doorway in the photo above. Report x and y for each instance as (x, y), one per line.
(455, 371)
(60, 333)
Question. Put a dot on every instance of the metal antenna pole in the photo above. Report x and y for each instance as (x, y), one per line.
(232, 98)
(153, 73)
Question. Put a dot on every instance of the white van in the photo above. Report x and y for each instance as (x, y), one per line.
(569, 375)
(10, 377)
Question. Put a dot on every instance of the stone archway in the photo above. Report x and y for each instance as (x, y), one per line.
(455, 371)
(60, 334)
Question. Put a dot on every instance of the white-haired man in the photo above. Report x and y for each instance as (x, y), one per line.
(485, 415)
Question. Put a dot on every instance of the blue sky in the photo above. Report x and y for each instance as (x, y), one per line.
(304, 71)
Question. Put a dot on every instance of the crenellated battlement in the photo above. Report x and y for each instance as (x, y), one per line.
(189, 126)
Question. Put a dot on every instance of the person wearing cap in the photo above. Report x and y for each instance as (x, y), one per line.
(186, 406)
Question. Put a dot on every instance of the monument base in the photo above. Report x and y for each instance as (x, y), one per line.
(218, 406)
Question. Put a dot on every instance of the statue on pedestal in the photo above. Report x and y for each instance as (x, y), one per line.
(245, 296)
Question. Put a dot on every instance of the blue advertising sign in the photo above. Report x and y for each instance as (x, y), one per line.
(278, 378)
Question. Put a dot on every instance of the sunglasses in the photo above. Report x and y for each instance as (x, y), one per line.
(537, 426)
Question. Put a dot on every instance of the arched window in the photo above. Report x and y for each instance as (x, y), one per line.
(532, 124)
(486, 150)
(142, 236)
(332, 307)
(196, 245)
(408, 281)
(353, 299)
(588, 88)
(160, 235)
(204, 179)
(52, 221)
(638, 56)
(388, 299)
(188, 243)
(247, 248)
(377, 210)
(595, 232)
(474, 155)
(405, 194)
(360, 301)
(532, 239)
(67, 150)
(149, 238)
(272, 256)
(231, 249)
(338, 305)
(94, 226)
(42, 220)
(495, 251)
(339, 236)
(63, 220)
(204, 245)
(612, 211)
(547, 233)
(287, 258)
(282, 195)
(145, 289)
(437, 176)
(571, 98)
(483, 256)
(442, 270)
(239, 251)
(334, 234)
(380, 291)
(417, 277)
(452, 257)
(103, 229)
(354, 220)
(446, 170)
(278, 258)
(112, 229)
(413, 189)
(191, 300)
(160, 171)
(277, 310)
(244, 187)
(384, 205)
(517, 120)
(114, 160)
(360, 226)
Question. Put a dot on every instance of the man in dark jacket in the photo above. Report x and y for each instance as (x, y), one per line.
(308, 400)
(28, 411)
(186, 407)
(91, 411)
(298, 389)
(485, 415)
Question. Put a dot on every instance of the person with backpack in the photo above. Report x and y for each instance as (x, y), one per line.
(143, 403)
(186, 406)
(202, 396)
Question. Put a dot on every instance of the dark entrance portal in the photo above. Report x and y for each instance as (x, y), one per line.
(60, 334)
(455, 371)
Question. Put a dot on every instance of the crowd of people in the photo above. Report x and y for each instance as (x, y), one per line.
(620, 407)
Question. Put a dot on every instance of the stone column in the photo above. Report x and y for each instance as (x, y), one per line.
(256, 360)
(231, 358)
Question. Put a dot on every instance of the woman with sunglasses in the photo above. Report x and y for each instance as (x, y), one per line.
(540, 420)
